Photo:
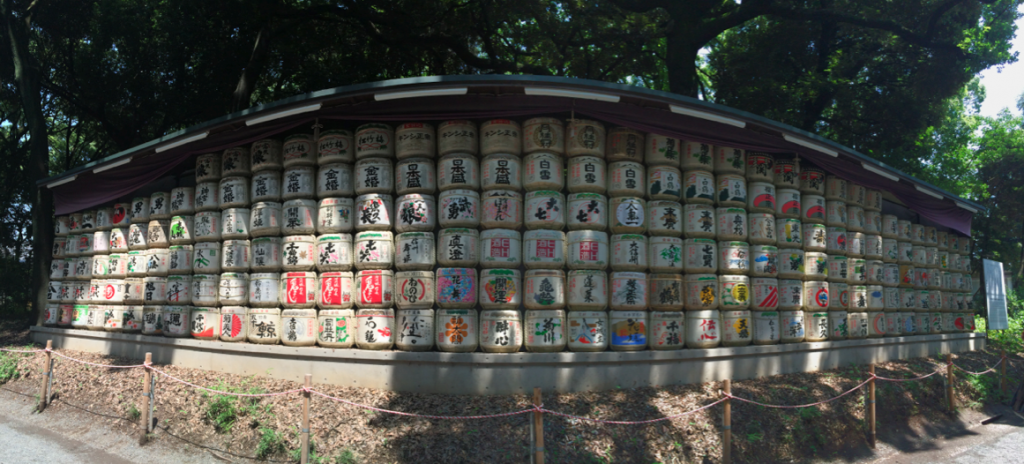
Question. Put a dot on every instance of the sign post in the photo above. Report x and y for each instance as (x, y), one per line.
(995, 296)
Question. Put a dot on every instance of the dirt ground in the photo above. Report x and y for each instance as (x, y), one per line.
(233, 430)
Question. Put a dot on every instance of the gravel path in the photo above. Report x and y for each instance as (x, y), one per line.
(77, 437)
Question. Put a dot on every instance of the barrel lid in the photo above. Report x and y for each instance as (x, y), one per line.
(210, 155)
(335, 133)
(450, 271)
(499, 314)
(837, 257)
(266, 204)
(499, 272)
(503, 193)
(733, 244)
(372, 125)
(154, 279)
(179, 277)
(375, 312)
(629, 275)
(859, 288)
(334, 238)
(462, 192)
(157, 222)
(300, 201)
(631, 314)
(623, 163)
(81, 306)
(206, 213)
(691, 240)
(266, 275)
(201, 309)
(766, 314)
(415, 196)
(765, 281)
(298, 313)
(499, 233)
(670, 315)
(618, 237)
(499, 122)
(405, 235)
(459, 230)
(194, 277)
(700, 277)
(542, 120)
(372, 234)
(544, 234)
(457, 122)
(176, 247)
(725, 277)
(764, 247)
(234, 275)
(274, 311)
(413, 312)
(233, 310)
(177, 309)
(792, 313)
(587, 234)
(545, 313)
(703, 313)
(337, 312)
(736, 313)
(115, 255)
(295, 238)
(222, 181)
(301, 274)
(398, 275)
(266, 239)
(545, 273)
(543, 193)
(664, 203)
(373, 161)
(337, 201)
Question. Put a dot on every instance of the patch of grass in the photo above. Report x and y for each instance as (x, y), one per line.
(133, 412)
(347, 456)
(314, 458)
(809, 413)
(224, 411)
(9, 366)
(271, 443)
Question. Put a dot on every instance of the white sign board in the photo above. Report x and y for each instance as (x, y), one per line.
(995, 295)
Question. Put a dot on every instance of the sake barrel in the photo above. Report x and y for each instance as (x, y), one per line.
(931, 257)
(460, 208)
(787, 174)
(457, 330)
(627, 179)
(233, 288)
(157, 262)
(335, 215)
(139, 213)
(414, 251)
(298, 290)
(666, 330)
(700, 254)
(628, 291)
(233, 326)
(816, 326)
(665, 218)
(587, 211)
(100, 243)
(904, 230)
(266, 186)
(893, 324)
(134, 291)
(905, 253)
(765, 260)
(334, 290)
(544, 289)
(734, 258)
(457, 136)
(235, 256)
(456, 288)
(917, 234)
(265, 220)
(207, 226)
(81, 317)
(543, 171)
(236, 162)
(661, 150)
(873, 223)
(762, 229)
(813, 209)
(909, 299)
(699, 222)
(375, 140)
(300, 327)
(415, 328)
(546, 210)
(787, 204)
(588, 331)
(544, 249)
(736, 328)
(791, 294)
(500, 289)
(812, 181)
(182, 230)
(502, 209)
(625, 144)
(923, 277)
(176, 321)
(793, 328)
(205, 323)
(767, 327)
(104, 217)
(545, 330)
(207, 195)
(61, 227)
(664, 183)
(373, 250)
(235, 223)
(628, 330)
(334, 252)
(500, 136)
(836, 240)
(58, 268)
(835, 213)
(374, 212)
(415, 175)
(53, 292)
(179, 289)
(206, 258)
(791, 263)
(838, 268)
(760, 167)
(335, 146)
(873, 200)
(299, 217)
(264, 326)
(415, 212)
(839, 325)
(734, 291)
(816, 295)
(156, 234)
(943, 240)
(855, 218)
(731, 190)
(666, 292)
(337, 326)
(152, 320)
(702, 329)
(890, 250)
(118, 242)
(890, 226)
(584, 138)
(873, 247)
(500, 248)
(728, 160)
(764, 294)
(588, 290)
(699, 187)
(458, 247)
(701, 292)
(334, 180)
(547, 134)
(458, 171)
(264, 290)
(208, 167)
(83, 267)
(415, 139)
(589, 174)
(234, 193)
(857, 271)
(875, 272)
(183, 201)
(588, 249)
(373, 175)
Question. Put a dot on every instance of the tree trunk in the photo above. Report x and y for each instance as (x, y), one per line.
(242, 96)
(681, 60)
(39, 152)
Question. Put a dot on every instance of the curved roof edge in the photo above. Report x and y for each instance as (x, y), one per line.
(597, 89)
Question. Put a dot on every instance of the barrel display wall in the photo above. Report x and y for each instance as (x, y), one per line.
(545, 235)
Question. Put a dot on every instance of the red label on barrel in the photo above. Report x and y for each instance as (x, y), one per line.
(588, 251)
(371, 288)
(296, 289)
(330, 290)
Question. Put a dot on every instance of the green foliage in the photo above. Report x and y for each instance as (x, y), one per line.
(9, 367)
(1009, 340)
(347, 456)
(314, 458)
(271, 443)
(133, 412)
(224, 411)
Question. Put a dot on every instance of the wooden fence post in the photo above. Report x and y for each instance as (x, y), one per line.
(870, 416)
(305, 419)
(538, 429)
(147, 394)
(727, 424)
(47, 372)
(949, 383)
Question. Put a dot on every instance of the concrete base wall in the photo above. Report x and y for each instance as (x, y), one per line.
(500, 374)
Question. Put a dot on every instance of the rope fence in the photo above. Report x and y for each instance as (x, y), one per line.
(537, 408)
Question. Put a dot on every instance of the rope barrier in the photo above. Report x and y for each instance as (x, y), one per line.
(424, 416)
(887, 379)
(641, 422)
(107, 366)
(847, 392)
(22, 351)
(249, 395)
(986, 371)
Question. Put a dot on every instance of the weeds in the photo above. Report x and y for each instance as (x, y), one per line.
(9, 365)
(271, 443)
(133, 412)
(223, 411)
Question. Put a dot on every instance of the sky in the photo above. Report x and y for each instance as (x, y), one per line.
(1004, 86)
